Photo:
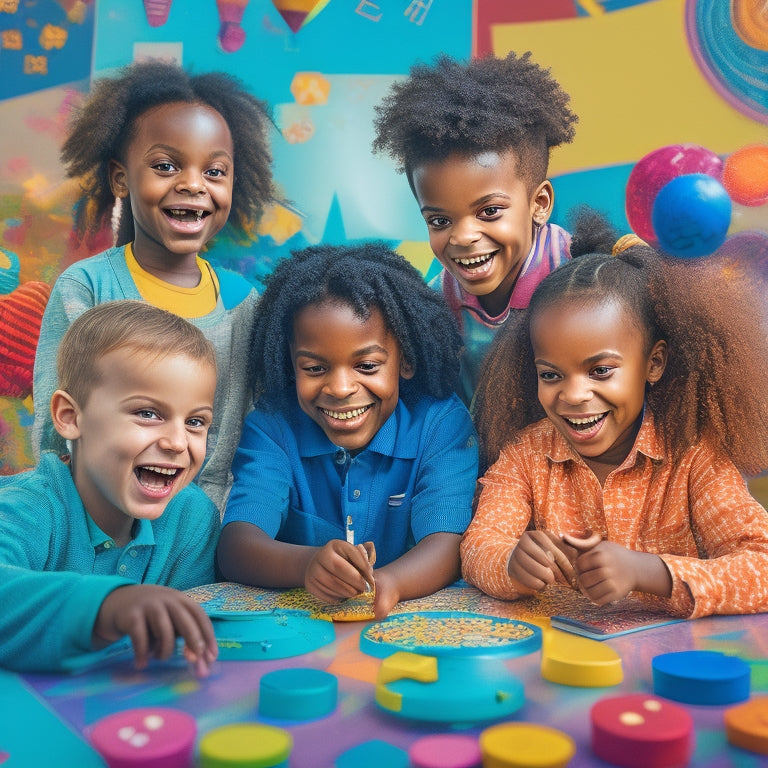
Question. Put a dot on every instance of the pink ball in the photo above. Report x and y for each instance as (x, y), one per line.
(654, 171)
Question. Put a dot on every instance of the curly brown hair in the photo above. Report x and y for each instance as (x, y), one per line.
(708, 310)
(105, 123)
(485, 104)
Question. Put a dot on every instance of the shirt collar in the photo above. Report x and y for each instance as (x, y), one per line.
(648, 442)
(144, 534)
(312, 441)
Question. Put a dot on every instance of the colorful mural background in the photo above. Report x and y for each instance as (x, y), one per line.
(643, 74)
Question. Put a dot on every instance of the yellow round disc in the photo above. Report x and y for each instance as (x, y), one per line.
(579, 661)
(525, 745)
(245, 744)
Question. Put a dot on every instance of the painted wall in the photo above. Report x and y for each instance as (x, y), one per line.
(643, 74)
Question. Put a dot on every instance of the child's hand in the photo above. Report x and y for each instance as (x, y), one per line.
(387, 594)
(607, 572)
(539, 559)
(340, 570)
(153, 617)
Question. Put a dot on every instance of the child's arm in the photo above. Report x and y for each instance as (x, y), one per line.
(431, 565)
(153, 617)
(333, 572)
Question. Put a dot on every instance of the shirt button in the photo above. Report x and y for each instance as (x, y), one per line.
(107, 545)
(356, 493)
(133, 553)
(122, 569)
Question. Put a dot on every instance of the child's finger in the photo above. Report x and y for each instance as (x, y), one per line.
(140, 642)
(584, 542)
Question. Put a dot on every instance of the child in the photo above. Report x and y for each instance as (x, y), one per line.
(357, 436)
(474, 141)
(651, 374)
(173, 157)
(87, 540)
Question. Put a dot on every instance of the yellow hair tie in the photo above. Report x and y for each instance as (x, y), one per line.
(626, 241)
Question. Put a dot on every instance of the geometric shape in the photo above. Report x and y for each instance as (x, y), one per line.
(297, 694)
(157, 12)
(310, 88)
(733, 67)
(691, 215)
(745, 175)
(578, 661)
(640, 731)
(373, 754)
(525, 745)
(746, 725)
(245, 745)
(466, 690)
(701, 677)
(412, 666)
(450, 633)
(150, 737)
(275, 635)
(445, 750)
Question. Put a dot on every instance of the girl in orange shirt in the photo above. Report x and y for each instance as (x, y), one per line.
(650, 372)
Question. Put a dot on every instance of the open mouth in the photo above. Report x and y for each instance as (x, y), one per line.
(186, 214)
(346, 415)
(154, 478)
(473, 262)
(585, 424)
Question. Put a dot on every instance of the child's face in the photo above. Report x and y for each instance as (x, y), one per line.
(178, 171)
(480, 214)
(347, 371)
(141, 435)
(592, 366)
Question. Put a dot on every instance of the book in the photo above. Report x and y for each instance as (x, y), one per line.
(604, 622)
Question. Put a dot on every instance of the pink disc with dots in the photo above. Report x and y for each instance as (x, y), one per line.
(149, 737)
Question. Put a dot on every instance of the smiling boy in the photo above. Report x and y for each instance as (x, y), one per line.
(474, 140)
(94, 544)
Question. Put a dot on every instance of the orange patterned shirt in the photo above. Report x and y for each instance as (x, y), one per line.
(697, 515)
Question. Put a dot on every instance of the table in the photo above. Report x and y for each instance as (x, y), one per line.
(54, 707)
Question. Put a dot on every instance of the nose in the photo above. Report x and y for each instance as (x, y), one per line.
(191, 182)
(340, 384)
(464, 232)
(174, 437)
(575, 390)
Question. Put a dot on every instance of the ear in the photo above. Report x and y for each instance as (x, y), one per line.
(542, 202)
(118, 179)
(407, 371)
(657, 361)
(65, 413)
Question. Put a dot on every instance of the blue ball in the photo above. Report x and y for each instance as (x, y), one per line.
(691, 215)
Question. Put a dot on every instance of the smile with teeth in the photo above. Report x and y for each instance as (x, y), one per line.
(585, 423)
(186, 214)
(345, 415)
(156, 477)
(475, 261)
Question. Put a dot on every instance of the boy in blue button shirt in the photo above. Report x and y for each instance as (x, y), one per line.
(358, 435)
(94, 545)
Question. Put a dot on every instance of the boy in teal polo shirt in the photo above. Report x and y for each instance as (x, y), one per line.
(95, 544)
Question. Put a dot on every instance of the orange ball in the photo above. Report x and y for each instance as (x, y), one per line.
(745, 175)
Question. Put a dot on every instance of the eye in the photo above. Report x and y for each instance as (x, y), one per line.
(148, 414)
(368, 366)
(490, 211)
(216, 173)
(313, 370)
(438, 222)
(165, 167)
(197, 422)
(602, 371)
(548, 376)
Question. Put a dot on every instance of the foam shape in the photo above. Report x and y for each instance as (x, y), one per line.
(525, 745)
(701, 677)
(450, 633)
(446, 750)
(746, 725)
(245, 745)
(568, 659)
(147, 737)
(641, 731)
(408, 665)
(465, 690)
(745, 175)
(300, 693)
(373, 754)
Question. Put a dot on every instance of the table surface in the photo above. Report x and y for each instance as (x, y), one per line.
(65, 707)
